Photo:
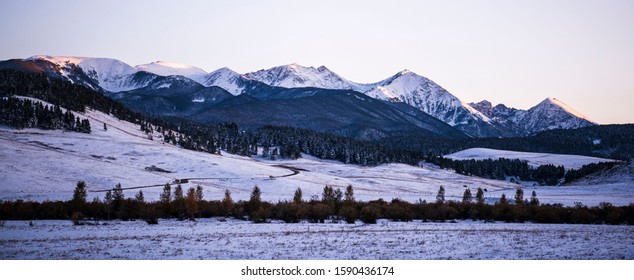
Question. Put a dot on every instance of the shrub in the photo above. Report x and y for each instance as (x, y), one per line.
(77, 218)
(318, 212)
(348, 213)
(369, 214)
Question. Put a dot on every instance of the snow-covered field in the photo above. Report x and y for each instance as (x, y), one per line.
(46, 165)
(533, 159)
(233, 239)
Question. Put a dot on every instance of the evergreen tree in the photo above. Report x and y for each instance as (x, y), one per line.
(166, 199)
(178, 192)
(440, 197)
(227, 203)
(466, 197)
(349, 195)
(117, 193)
(255, 200)
(297, 198)
(199, 193)
(139, 197)
(534, 201)
(85, 126)
(480, 196)
(503, 199)
(519, 197)
(178, 204)
(108, 203)
(117, 200)
(328, 194)
(78, 203)
(338, 195)
(79, 195)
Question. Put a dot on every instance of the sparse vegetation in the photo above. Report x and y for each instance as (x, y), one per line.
(332, 206)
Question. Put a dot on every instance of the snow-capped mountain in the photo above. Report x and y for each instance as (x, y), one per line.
(405, 86)
(293, 76)
(110, 74)
(164, 68)
(548, 114)
(481, 119)
(227, 79)
(422, 93)
(553, 114)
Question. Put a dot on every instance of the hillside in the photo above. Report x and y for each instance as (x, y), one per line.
(123, 154)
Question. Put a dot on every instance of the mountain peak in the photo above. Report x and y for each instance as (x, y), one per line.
(225, 69)
(551, 101)
(405, 71)
(294, 75)
(166, 68)
(484, 102)
(483, 106)
(110, 74)
(224, 78)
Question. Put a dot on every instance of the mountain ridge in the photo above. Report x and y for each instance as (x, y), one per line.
(549, 114)
(477, 120)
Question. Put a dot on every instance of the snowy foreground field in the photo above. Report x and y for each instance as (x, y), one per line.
(233, 239)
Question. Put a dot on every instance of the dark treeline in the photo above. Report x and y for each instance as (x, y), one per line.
(62, 93)
(588, 169)
(502, 168)
(334, 206)
(278, 142)
(293, 141)
(24, 113)
(607, 141)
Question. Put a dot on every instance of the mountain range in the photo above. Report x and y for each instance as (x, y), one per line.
(307, 97)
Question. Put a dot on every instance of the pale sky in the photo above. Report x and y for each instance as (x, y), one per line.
(512, 52)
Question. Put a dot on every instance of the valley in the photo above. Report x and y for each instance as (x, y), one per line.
(123, 154)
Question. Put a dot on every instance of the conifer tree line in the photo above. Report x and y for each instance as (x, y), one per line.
(62, 93)
(24, 113)
(276, 142)
(334, 206)
(502, 168)
(615, 141)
